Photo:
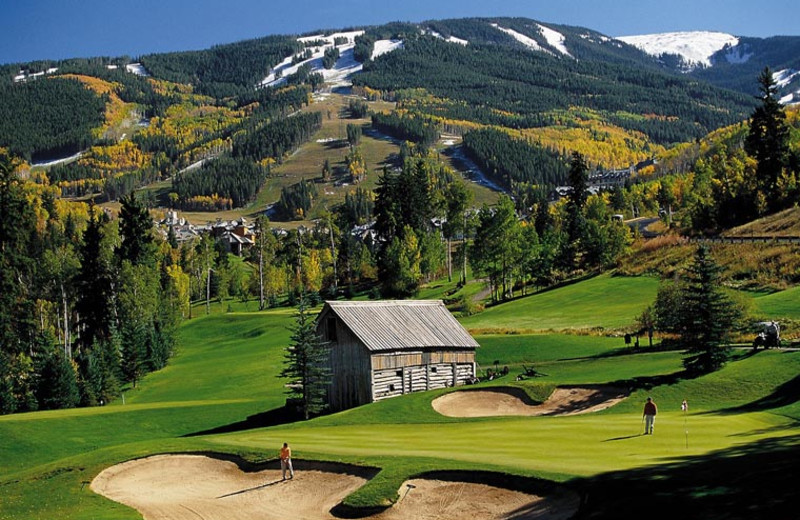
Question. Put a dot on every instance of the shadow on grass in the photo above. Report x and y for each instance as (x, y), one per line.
(553, 287)
(273, 417)
(624, 438)
(750, 481)
(786, 394)
(649, 382)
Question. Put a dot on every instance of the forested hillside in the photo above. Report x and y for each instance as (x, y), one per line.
(48, 118)
(520, 88)
(223, 70)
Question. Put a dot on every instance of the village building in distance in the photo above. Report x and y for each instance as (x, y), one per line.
(382, 349)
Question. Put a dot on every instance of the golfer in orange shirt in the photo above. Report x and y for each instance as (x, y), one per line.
(286, 461)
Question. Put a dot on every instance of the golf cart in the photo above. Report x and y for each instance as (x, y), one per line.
(769, 337)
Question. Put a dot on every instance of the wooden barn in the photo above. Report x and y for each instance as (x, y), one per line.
(381, 349)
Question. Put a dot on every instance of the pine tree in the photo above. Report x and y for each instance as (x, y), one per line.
(575, 219)
(94, 286)
(707, 315)
(306, 364)
(135, 226)
(768, 139)
(134, 352)
(57, 385)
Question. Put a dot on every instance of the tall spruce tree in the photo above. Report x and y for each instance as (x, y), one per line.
(135, 228)
(94, 283)
(707, 315)
(768, 139)
(575, 218)
(306, 364)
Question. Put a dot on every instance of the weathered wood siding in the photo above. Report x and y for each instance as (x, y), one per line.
(405, 372)
(350, 369)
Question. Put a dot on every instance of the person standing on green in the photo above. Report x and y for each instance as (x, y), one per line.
(286, 461)
(649, 415)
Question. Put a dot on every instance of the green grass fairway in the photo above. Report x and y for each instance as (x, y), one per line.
(607, 302)
(744, 419)
(783, 304)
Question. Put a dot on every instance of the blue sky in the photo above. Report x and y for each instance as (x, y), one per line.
(40, 29)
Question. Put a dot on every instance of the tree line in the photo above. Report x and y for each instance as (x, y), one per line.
(276, 138)
(510, 161)
(236, 178)
(408, 128)
(88, 304)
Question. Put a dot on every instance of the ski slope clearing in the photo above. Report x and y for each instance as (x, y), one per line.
(524, 40)
(784, 77)
(451, 38)
(695, 47)
(186, 487)
(55, 162)
(385, 46)
(339, 74)
(555, 39)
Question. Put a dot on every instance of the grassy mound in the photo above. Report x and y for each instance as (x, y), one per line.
(602, 302)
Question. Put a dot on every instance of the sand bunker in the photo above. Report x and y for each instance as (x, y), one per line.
(446, 500)
(190, 487)
(513, 401)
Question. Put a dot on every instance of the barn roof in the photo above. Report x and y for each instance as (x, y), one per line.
(401, 324)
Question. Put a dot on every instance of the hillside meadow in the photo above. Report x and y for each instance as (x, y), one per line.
(224, 379)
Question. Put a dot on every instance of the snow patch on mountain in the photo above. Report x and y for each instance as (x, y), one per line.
(345, 66)
(695, 47)
(385, 46)
(784, 77)
(451, 38)
(350, 35)
(737, 55)
(589, 37)
(555, 39)
(524, 40)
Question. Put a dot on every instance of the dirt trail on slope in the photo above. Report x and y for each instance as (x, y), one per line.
(192, 487)
(513, 401)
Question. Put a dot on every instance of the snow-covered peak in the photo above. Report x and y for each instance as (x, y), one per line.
(524, 40)
(555, 39)
(695, 47)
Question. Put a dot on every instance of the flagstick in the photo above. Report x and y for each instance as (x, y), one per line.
(685, 408)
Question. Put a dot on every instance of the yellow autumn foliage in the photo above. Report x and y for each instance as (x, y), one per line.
(122, 156)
